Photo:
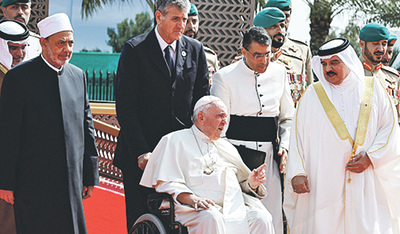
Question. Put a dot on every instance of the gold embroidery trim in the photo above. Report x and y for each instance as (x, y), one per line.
(363, 117)
(3, 68)
(332, 113)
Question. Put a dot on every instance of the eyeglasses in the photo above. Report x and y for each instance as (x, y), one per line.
(258, 55)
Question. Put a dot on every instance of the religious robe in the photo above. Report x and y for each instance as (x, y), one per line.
(48, 152)
(246, 93)
(370, 202)
(176, 166)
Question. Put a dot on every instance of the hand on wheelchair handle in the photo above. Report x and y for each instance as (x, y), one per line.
(143, 159)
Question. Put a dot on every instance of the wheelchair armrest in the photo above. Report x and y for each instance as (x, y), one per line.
(154, 202)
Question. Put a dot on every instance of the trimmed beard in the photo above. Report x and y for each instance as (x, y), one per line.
(277, 44)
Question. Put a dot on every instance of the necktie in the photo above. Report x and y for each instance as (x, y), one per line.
(169, 60)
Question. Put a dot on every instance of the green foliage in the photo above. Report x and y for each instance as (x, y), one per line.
(386, 12)
(91, 50)
(350, 32)
(128, 29)
(89, 7)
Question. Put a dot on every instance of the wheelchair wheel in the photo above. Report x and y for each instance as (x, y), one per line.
(148, 224)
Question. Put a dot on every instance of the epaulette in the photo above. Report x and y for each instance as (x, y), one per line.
(391, 70)
(209, 50)
(301, 42)
(32, 34)
(292, 56)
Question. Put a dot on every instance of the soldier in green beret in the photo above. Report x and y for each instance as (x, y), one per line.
(373, 41)
(389, 52)
(273, 20)
(191, 30)
(296, 55)
(20, 10)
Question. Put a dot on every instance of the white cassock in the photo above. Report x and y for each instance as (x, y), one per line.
(370, 203)
(259, 95)
(177, 166)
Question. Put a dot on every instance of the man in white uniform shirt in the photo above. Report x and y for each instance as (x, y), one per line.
(213, 189)
(260, 108)
(343, 172)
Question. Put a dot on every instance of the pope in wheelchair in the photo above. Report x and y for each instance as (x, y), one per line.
(213, 190)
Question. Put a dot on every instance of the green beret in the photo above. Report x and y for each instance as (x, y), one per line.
(9, 2)
(193, 10)
(283, 5)
(392, 39)
(374, 32)
(268, 17)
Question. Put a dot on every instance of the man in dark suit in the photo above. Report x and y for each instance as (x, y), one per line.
(161, 75)
(48, 156)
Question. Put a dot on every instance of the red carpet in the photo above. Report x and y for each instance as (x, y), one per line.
(105, 211)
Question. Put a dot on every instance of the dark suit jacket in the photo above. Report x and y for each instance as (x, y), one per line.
(48, 151)
(149, 102)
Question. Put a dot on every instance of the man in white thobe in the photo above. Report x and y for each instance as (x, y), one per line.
(343, 171)
(213, 190)
(260, 108)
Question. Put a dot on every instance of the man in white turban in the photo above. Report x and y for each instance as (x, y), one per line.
(213, 189)
(343, 171)
(48, 156)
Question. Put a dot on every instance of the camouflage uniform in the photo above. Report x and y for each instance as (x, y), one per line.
(389, 77)
(296, 57)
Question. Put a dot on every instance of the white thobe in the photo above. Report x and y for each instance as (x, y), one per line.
(34, 49)
(370, 202)
(263, 95)
(176, 166)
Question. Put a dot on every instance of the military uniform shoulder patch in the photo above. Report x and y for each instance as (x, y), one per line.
(391, 70)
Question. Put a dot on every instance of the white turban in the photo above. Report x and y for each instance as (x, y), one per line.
(54, 24)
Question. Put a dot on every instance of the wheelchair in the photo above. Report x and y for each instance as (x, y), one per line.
(160, 219)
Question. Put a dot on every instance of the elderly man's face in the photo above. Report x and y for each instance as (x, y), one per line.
(18, 11)
(277, 33)
(257, 56)
(18, 52)
(192, 26)
(335, 71)
(57, 48)
(388, 56)
(213, 121)
(171, 23)
(374, 51)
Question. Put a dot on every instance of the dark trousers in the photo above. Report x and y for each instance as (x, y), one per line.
(135, 195)
(7, 219)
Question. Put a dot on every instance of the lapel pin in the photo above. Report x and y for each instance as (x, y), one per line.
(183, 53)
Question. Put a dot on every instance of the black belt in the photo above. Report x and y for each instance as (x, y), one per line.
(250, 128)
